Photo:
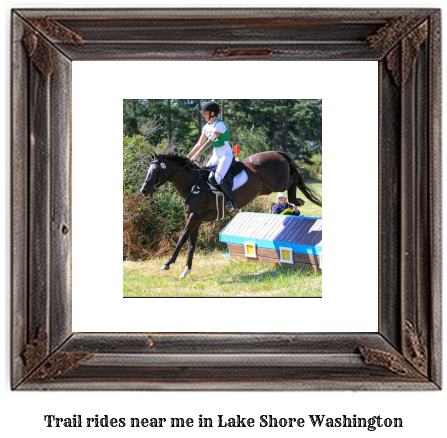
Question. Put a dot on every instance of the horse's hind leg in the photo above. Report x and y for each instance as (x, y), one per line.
(191, 225)
(291, 191)
(191, 249)
(291, 194)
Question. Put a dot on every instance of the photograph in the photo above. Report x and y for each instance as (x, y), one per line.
(227, 190)
(115, 192)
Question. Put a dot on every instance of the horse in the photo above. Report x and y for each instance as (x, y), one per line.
(268, 172)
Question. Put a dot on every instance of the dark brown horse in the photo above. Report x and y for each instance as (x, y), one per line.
(267, 172)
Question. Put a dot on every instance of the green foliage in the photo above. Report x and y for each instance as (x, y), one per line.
(310, 173)
(149, 224)
(291, 125)
(253, 141)
(169, 207)
(314, 169)
(177, 120)
(136, 162)
(317, 163)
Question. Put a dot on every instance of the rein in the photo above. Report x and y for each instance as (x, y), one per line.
(195, 189)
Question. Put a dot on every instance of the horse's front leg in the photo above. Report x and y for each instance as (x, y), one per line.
(191, 249)
(191, 226)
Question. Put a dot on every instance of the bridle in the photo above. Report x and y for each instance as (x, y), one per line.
(162, 169)
(195, 188)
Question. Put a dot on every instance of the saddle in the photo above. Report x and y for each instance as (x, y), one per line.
(236, 167)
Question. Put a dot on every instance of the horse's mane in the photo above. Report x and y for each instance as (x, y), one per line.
(178, 158)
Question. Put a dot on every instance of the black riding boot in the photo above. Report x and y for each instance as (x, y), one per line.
(226, 188)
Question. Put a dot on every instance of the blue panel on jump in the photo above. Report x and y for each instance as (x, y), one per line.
(303, 234)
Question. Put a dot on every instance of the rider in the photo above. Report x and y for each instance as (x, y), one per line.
(216, 134)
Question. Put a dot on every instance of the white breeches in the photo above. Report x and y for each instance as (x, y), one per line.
(223, 157)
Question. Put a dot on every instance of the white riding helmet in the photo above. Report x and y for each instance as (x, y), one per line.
(281, 195)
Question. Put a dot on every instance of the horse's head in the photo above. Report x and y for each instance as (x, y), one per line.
(156, 176)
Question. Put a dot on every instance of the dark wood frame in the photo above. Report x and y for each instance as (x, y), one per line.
(405, 354)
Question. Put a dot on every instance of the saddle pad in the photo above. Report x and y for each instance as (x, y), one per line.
(239, 180)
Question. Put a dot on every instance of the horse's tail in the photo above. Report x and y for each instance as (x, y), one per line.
(297, 176)
(307, 191)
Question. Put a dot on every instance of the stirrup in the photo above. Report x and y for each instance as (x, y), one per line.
(231, 206)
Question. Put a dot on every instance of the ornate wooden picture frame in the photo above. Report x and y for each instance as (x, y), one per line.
(405, 353)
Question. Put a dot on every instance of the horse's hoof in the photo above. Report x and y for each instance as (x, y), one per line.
(164, 268)
(185, 273)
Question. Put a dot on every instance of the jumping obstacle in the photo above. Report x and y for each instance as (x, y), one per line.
(288, 241)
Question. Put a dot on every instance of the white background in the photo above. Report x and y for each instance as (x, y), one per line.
(22, 413)
(350, 187)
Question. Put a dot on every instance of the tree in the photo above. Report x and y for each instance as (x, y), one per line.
(291, 125)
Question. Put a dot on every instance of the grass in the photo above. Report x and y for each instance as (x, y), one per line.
(213, 275)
